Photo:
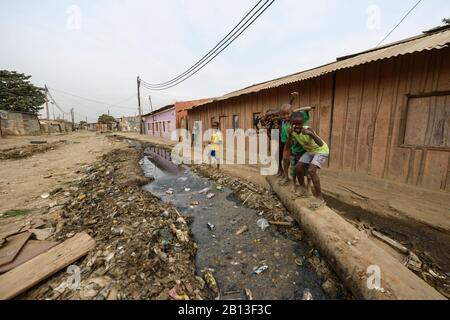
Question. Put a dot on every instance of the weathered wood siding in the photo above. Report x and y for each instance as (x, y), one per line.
(362, 113)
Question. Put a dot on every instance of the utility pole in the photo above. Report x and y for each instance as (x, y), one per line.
(73, 117)
(151, 104)
(46, 103)
(139, 104)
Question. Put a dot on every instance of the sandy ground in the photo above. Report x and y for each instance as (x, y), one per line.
(23, 181)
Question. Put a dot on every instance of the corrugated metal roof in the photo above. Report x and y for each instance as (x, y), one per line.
(426, 41)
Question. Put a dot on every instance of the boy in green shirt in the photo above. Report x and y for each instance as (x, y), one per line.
(316, 155)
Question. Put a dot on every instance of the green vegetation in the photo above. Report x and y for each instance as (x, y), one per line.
(104, 118)
(15, 213)
(18, 94)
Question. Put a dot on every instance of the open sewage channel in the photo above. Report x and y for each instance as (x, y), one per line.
(232, 258)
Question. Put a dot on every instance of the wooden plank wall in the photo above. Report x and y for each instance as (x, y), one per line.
(364, 120)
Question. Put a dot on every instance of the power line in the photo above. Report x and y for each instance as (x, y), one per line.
(92, 100)
(206, 56)
(247, 25)
(398, 24)
(55, 103)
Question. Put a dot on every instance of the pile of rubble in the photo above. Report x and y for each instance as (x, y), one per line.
(144, 249)
(271, 209)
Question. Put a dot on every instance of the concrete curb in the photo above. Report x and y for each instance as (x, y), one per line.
(351, 252)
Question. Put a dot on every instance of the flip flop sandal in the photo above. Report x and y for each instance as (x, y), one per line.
(316, 206)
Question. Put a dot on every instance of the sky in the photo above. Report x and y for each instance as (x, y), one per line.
(96, 49)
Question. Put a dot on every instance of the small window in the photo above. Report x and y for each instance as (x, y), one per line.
(236, 122)
(427, 122)
(256, 117)
(168, 126)
(164, 126)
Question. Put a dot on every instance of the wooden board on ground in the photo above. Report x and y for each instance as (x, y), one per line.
(30, 250)
(12, 247)
(41, 267)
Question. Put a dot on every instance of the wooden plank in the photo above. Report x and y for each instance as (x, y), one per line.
(390, 242)
(12, 247)
(41, 267)
(30, 250)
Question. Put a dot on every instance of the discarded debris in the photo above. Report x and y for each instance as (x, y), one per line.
(242, 230)
(390, 242)
(211, 281)
(211, 227)
(249, 294)
(261, 269)
(204, 191)
(263, 224)
(307, 295)
(281, 223)
(45, 195)
(413, 262)
(210, 195)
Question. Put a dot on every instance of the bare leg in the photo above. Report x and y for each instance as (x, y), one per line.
(299, 172)
(286, 165)
(319, 201)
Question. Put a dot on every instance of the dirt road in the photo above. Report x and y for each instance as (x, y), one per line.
(23, 181)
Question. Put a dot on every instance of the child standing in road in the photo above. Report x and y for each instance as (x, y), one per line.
(215, 143)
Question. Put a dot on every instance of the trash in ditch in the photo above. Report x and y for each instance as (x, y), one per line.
(204, 191)
(316, 253)
(249, 294)
(220, 188)
(182, 179)
(195, 203)
(211, 281)
(263, 224)
(177, 296)
(187, 189)
(169, 191)
(242, 230)
(261, 269)
(299, 262)
(307, 295)
(211, 227)
(210, 195)
(45, 195)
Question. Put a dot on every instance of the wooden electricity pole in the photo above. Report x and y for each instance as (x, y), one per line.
(139, 104)
(46, 103)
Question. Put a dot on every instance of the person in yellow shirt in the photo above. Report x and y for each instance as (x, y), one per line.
(316, 155)
(215, 143)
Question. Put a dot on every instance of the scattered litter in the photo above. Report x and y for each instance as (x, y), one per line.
(249, 294)
(204, 191)
(182, 179)
(251, 193)
(211, 227)
(211, 281)
(229, 293)
(81, 197)
(281, 223)
(177, 296)
(187, 189)
(242, 230)
(220, 188)
(299, 262)
(195, 203)
(210, 195)
(261, 269)
(169, 191)
(45, 195)
(316, 253)
(307, 295)
(263, 224)
(413, 262)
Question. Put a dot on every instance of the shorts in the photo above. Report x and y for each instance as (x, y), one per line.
(212, 154)
(315, 159)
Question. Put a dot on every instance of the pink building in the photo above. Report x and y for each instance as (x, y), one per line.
(161, 123)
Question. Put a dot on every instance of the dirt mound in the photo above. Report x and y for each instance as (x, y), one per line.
(144, 248)
(28, 151)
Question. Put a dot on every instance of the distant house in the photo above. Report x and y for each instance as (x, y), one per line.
(161, 123)
(128, 124)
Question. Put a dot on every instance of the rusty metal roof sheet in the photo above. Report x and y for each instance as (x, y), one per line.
(426, 41)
